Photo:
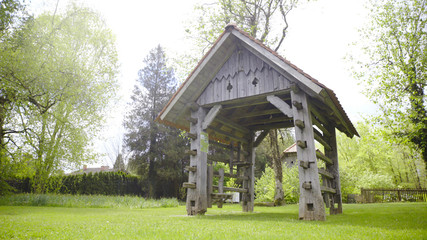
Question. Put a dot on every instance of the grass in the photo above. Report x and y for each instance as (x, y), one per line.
(368, 221)
(85, 201)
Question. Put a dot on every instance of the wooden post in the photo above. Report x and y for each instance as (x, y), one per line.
(210, 185)
(249, 173)
(336, 184)
(197, 200)
(311, 206)
(220, 186)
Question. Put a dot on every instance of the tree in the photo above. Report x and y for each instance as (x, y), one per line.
(157, 151)
(58, 74)
(395, 72)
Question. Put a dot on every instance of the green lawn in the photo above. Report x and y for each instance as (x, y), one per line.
(368, 221)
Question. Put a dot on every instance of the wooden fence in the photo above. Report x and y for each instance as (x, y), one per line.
(393, 195)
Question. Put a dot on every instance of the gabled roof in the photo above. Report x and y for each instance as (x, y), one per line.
(177, 109)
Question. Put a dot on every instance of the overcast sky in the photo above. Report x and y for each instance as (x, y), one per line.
(320, 36)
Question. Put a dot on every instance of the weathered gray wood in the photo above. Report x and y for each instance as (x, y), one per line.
(197, 201)
(321, 156)
(251, 122)
(220, 185)
(211, 116)
(272, 126)
(325, 173)
(297, 105)
(249, 171)
(191, 152)
(210, 184)
(219, 131)
(311, 205)
(320, 126)
(332, 154)
(280, 104)
(302, 144)
(192, 120)
(258, 113)
(232, 125)
(318, 136)
(231, 189)
(327, 189)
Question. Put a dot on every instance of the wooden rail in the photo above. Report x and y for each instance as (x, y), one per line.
(393, 195)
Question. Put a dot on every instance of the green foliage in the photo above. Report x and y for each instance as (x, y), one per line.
(373, 161)
(394, 74)
(156, 150)
(359, 221)
(86, 201)
(58, 74)
(103, 183)
(265, 185)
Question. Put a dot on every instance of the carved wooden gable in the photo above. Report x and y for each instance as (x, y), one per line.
(243, 75)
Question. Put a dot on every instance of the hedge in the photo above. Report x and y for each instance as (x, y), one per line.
(103, 183)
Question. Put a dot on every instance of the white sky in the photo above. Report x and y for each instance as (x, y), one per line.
(318, 39)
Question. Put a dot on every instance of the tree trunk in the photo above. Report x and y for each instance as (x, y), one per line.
(277, 166)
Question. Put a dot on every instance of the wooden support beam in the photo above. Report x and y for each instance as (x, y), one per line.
(211, 116)
(287, 124)
(325, 173)
(322, 119)
(327, 189)
(232, 125)
(230, 189)
(281, 105)
(189, 185)
(231, 136)
(216, 174)
(295, 88)
(260, 137)
(304, 164)
(257, 113)
(251, 122)
(210, 184)
(318, 136)
(299, 123)
(321, 156)
(320, 126)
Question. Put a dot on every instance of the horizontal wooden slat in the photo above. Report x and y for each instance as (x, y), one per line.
(230, 189)
(327, 189)
(325, 173)
(319, 138)
(321, 156)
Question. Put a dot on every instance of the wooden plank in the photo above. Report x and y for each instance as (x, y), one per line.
(258, 113)
(211, 116)
(272, 126)
(325, 173)
(220, 184)
(219, 131)
(209, 185)
(320, 126)
(230, 189)
(232, 125)
(318, 136)
(250, 122)
(321, 156)
(334, 168)
(281, 105)
(327, 189)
